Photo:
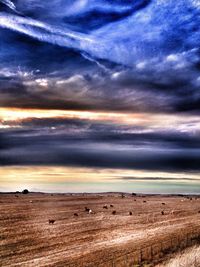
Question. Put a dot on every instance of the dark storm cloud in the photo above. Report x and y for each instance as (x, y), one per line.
(51, 153)
(76, 143)
(121, 90)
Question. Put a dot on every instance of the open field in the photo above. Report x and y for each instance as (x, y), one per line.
(27, 238)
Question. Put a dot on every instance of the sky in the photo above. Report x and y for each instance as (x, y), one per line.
(100, 95)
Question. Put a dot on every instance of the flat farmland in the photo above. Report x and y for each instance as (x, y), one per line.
(80, 238)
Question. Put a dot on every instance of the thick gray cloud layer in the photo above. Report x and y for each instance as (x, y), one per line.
(87, 144)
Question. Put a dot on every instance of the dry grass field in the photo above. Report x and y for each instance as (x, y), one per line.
(27, 238)
(188, 258)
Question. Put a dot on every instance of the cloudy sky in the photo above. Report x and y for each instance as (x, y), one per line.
(100, 95)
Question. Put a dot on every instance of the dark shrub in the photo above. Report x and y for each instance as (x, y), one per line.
(25, 191)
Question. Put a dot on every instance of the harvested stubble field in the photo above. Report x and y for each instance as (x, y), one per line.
(189, 257)
(27, 238)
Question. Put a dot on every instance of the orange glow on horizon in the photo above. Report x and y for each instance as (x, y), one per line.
(10, 114)
(148, 120)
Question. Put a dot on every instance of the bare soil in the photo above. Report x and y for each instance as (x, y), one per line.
(27, 238)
